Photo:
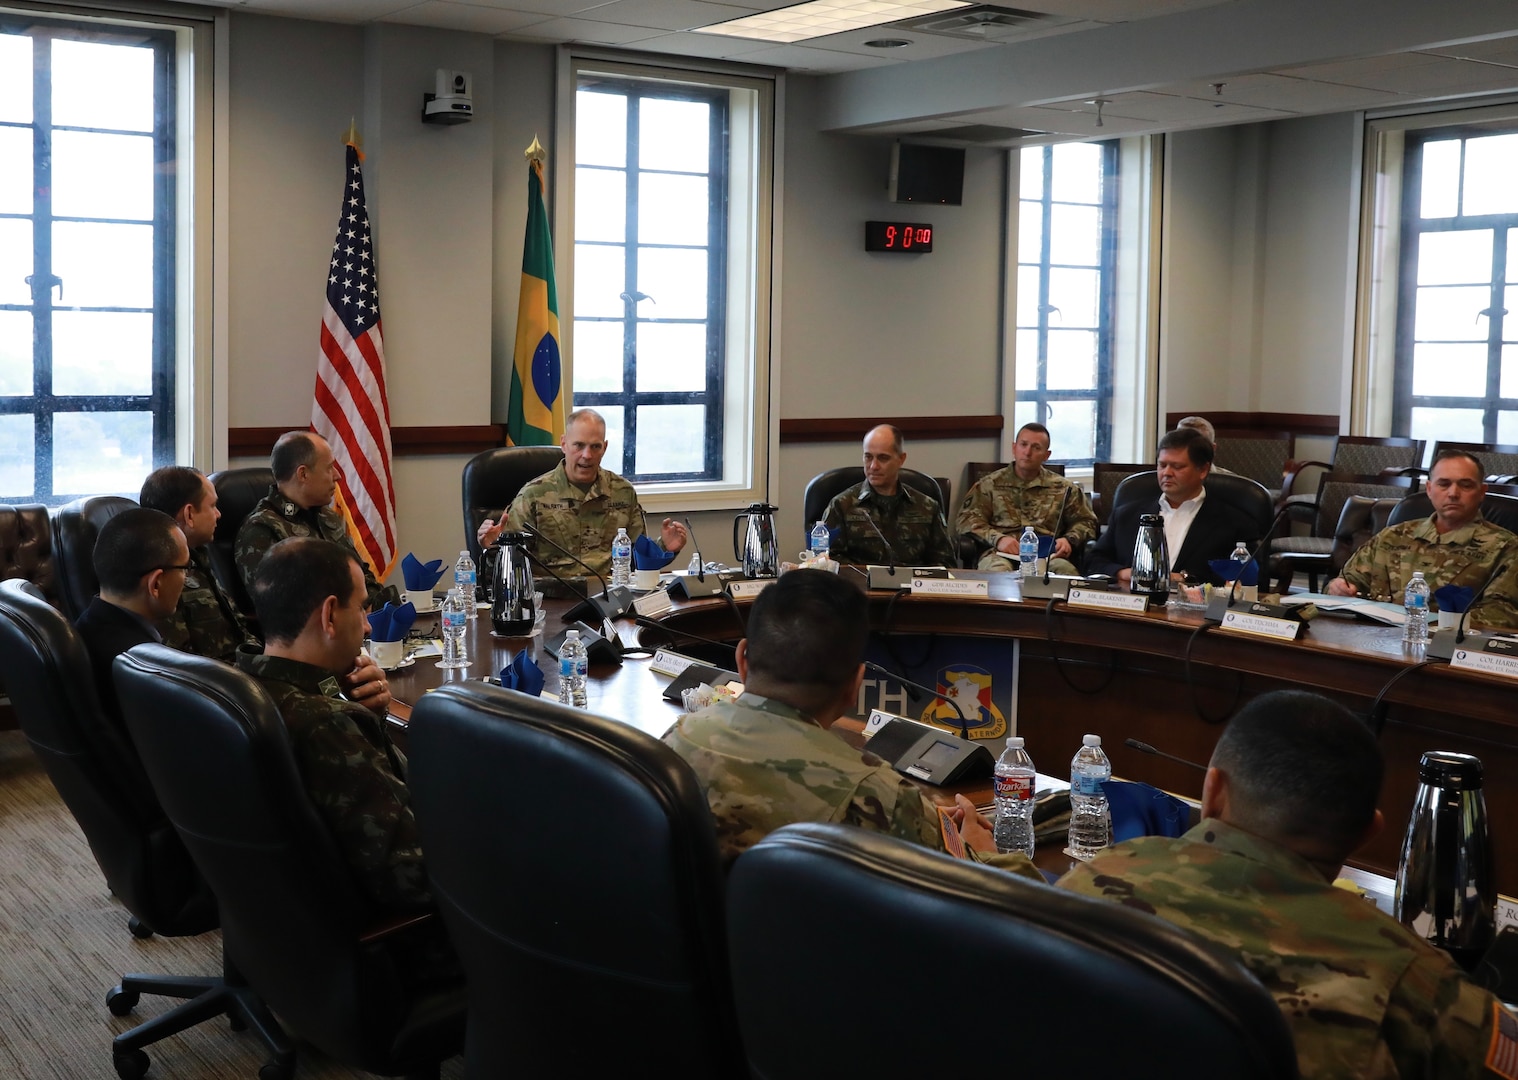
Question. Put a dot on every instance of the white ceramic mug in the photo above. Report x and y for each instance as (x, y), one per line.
(645, 580)
(421, 599)
(1448, 619)
(387, 654)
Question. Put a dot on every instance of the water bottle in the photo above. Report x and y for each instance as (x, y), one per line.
(455, 622)
(1027, 552)
(1014, 782)
(463, 581)
(572, 668)
(821, 540)
(695, 563)
(621, 560)
(1415, 602)
(1090, 820)
(1240, 558)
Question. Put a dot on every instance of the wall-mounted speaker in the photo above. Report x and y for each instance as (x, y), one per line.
(927, 174)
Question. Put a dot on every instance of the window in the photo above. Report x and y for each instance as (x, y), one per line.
(669, 308)
(87, 257)
(1456, 374)
(1066, 279)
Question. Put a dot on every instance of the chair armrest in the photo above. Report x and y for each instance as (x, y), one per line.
(389, 925)
(1291, 471)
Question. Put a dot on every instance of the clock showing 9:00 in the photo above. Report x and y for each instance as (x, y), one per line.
(910, 237)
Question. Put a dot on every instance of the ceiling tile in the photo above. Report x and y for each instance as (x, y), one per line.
(1115, 10)
(799, 57)
(1287, 94)
(1440, 75)
(584, 31)
(709, 46)
(667, 14)
(924, 46)
(1496, 51)
(470, 17)
(344, 11)
(1168, 108)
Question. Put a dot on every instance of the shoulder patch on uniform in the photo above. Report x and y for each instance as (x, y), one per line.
(330, 687)
(953, 843)
(1502, 1055)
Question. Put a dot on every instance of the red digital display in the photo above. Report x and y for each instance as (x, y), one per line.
(903, 236)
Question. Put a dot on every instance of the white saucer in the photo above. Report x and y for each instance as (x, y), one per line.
(428, 610)
(403, 665)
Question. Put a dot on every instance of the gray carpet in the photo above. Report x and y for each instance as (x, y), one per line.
(64, 943)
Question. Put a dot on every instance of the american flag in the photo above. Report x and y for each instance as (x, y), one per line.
(351, 410)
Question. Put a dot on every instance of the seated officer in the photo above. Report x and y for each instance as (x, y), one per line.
(911, 522)
(769, 760)
(300, 504)
(999, 506)
(1454, 545)
(205, 621)
(141, 559)
(1290, 793)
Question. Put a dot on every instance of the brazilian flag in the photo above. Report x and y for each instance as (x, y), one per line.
(536, 413)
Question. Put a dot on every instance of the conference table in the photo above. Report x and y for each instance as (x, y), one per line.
(1163, 677)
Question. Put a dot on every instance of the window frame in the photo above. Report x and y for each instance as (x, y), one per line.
(748, 430)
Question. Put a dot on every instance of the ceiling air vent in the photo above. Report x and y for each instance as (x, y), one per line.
(987, 23)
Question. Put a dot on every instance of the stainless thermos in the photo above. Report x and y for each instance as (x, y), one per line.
(758, 550)
(1151, 560)
(512, 603)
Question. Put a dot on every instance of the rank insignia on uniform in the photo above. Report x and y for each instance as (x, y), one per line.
(288, 509)
(329, 687)
(1502, 1056)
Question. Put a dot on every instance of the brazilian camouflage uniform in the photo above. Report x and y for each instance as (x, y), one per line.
(583, 520)
(1364, 996)
(276, 518)
(910, 520)
(354, 776)
(1003, 504)
(1384, 565)
(205, 621)
(764, 764)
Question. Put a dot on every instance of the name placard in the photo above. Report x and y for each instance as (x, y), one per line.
(1108, 600)
(925, 586)
(654, 604)
(1241, 622)
(1493, 663)
(668, 662)
(879, 718)
(747, 590)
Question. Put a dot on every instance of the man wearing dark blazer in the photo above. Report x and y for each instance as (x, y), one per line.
(1197, 529)
(141, 559)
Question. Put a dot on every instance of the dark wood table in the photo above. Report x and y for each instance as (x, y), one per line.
(1156, 677)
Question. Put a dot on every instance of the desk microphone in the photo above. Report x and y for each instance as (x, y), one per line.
(611, 604)
(654, 624)
(1443, 643)
(1460, 627)
(890, 551)
(1059, 527)
(1145, 748)
(696, 547)
(607, 631)
(916, 690)
(1216, 607)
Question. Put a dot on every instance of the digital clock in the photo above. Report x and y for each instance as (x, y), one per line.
(904, 236)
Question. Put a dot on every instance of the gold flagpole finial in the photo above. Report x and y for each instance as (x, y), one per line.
(351, 139)
(535, 152)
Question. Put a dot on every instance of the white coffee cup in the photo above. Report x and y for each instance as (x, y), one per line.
(1448, 620)
(645, 580)
(387, 654)
(421, 599)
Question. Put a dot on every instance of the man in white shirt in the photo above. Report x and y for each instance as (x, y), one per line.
(1196, 530)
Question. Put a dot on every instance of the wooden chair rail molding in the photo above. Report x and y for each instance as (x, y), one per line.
(406, 441)
(1262, 424)
(852, 428)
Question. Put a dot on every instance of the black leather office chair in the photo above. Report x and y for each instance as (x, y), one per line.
(821, 489)
(1238, 491)
(99, 777)
(492, 479)
(1497, 508)
(812, 903)
(75, 529)
(292, 920)
(238, 491)
(591, 928)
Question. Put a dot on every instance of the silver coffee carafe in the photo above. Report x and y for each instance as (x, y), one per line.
(1151, 560)
(1446, 891)
(758, 550)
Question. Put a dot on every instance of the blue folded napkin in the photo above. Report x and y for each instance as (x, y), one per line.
(391, 622)
(522, 674)
(648, 555)
(1142, 810)
(1228, 570)
(1045, 546)
(1454, 598)
(420, 576)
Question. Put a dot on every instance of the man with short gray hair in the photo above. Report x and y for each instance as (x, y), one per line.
(882, 520)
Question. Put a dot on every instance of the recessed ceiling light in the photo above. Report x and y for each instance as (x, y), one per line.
(823, 17)
(888, 43)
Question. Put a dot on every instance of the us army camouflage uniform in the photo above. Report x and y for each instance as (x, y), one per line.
(583, 521)
(205, 621)
(1003, 504)
(353, 775)
(1466, 556)
(276, 518)
(1365, 997)
(910, 520)
(763, 764)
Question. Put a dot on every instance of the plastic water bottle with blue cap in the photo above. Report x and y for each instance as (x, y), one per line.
(1090, 818)
(1027, 552)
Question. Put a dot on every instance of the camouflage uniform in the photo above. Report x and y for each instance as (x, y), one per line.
(1003, 504)
(205, 621)
(276, 518)
(764, 764)
(1465, 556)
(1364, 996)
(354, 776)
(585, 521)
(910, 520)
